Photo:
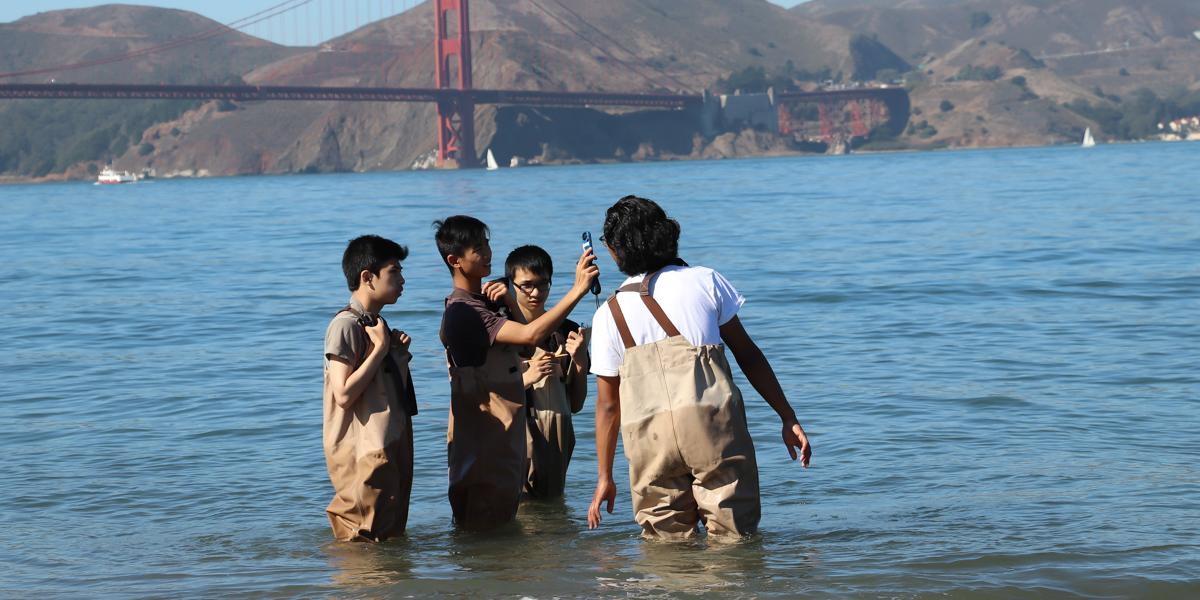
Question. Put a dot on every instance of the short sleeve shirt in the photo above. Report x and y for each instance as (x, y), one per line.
(697, 300)
(345, 339)
(469, 327)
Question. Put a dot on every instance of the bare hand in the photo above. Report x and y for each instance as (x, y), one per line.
(794, 437)
(496, 291)
(606, 490)
(400, 340)
(378, 334)
(538, 370)
(576, 349)
(586, 271)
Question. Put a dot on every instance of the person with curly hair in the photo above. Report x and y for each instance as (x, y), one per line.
(658, 353)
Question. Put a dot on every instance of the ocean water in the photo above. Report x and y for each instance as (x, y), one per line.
(995, 354)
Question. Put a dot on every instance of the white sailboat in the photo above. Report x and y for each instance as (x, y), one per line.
(1088, 140)
(491, 161)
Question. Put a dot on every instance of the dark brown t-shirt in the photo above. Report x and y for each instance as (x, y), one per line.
(469, 327)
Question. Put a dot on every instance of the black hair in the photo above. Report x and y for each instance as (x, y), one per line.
(532, 259)
(643, 238)
(369, 253)
(455, 235)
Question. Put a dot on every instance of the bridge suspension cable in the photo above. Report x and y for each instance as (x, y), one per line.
(682, 86)
(262, 15)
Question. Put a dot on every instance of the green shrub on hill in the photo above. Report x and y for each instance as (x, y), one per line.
(47, 136)
(976, 73)
(980, 19)
(755, 80)
(1138, 115)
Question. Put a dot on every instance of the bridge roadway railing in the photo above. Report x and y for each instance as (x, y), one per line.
(386, 94)
(340, 94)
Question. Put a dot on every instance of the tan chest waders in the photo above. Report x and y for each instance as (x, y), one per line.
(551, 437)
(369, 453)
(486, 440)
(683, 426)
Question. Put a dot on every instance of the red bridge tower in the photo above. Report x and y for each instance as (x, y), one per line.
(456, 112)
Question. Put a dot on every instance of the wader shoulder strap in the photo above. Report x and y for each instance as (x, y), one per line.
(402, 384)
(619, 320)
(655, 308)
(643, 289)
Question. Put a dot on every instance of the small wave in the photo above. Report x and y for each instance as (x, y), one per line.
(995, 402)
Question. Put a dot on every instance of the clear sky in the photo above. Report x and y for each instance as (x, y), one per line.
(342, 15)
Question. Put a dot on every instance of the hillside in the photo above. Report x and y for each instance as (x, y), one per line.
(1089, 40)
(617, 45)
(42, 137)
(1093, 53)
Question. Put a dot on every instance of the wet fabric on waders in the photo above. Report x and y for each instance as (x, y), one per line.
(485, 440)
(369, 445)
(551, 433)
(683, 427)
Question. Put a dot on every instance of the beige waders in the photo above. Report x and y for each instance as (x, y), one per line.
(683, 426)
(551, 437)
(369, 453)
(486, 440)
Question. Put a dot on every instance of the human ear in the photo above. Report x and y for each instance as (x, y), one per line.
(365, 276)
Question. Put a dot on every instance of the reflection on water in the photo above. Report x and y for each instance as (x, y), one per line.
(361, 565)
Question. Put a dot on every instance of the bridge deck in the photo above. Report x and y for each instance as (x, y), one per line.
(385, 94)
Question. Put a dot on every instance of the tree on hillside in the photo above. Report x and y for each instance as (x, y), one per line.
(1138, 116)
(980, 19)
(977, 73)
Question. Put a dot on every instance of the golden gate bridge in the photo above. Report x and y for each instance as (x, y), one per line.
(843, 113)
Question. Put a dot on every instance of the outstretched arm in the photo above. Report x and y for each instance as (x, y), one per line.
(532, 334)
(760, 374)
(608, 424)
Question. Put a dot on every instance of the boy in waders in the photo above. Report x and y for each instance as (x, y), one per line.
(555, 375)
(486, 436)
(663, 378)
(368, 399)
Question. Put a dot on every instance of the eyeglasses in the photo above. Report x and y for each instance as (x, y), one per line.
(601, 239)
(527, 288)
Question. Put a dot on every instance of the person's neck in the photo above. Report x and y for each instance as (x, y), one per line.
(530, 314)
(370, 305)
(463, 281)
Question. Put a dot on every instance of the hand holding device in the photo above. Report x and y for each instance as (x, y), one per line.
(587, 245)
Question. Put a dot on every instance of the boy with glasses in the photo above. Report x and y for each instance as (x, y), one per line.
(555, 375)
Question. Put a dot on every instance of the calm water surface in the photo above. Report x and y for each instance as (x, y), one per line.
(995, 353)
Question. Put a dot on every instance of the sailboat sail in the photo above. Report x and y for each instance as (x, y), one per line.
(491, 161)
(1088, 140)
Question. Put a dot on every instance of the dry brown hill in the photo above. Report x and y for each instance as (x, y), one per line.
(616, 45)
(1090, 41)
(91, 34)
(41, 137)
(1098, 52)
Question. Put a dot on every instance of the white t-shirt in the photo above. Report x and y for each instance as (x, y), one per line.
(698, 300)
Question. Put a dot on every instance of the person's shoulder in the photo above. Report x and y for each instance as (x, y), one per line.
(459, 295)
(342, 320)
(462, 309)
(698, 275)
